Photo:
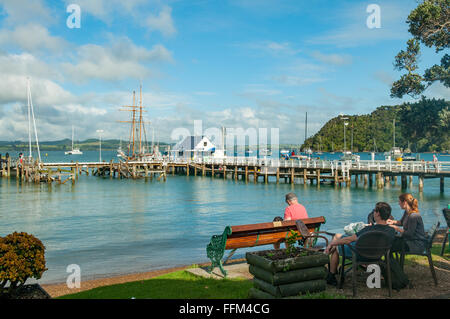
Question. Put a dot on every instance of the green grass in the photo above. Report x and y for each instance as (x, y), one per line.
(176, 285)
(184, 285)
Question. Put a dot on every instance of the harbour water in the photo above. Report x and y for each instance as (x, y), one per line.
(110, 226)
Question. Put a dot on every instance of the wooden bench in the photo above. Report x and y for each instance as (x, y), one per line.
(252, 235)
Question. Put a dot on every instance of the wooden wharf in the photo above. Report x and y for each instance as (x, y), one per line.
(364, 172)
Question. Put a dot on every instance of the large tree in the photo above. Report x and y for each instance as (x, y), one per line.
(429, 24)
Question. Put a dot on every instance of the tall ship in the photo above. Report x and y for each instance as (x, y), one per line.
(138, 148)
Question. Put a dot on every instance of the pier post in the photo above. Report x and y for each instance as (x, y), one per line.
(255, 176)
(318, 177)
(410, 181)
(266, 177)
(442, 184)
(119, 169)
(380, 180)
(292, 175)
(370, 180)
(187, 169)
(9, 166)
(365, 179)
(278, 175)
(111, 172)
(403, 181)
(304, 176)
(195, 170)
(395, 179)
(77, 169)
(246, 173)
(420, 183)
(203, 169)
(235, 173)
(356, 180)
(336, 177)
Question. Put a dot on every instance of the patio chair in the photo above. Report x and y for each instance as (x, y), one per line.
(310, 238)
(427, 252)
(446, 213)
(369, 248)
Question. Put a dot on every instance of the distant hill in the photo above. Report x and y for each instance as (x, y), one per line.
(425, 125)
(66, 144)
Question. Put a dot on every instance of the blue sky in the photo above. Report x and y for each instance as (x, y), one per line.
(237, 63)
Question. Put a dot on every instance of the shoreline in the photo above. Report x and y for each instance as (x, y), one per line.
(60, 289)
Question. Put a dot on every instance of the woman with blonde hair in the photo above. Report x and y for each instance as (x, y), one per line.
(412, 229)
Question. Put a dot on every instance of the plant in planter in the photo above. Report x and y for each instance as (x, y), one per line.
(21, 258)
(287, 272)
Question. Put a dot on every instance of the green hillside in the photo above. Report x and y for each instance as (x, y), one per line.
(424, 124)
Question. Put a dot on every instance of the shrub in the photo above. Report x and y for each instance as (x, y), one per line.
(21, 257)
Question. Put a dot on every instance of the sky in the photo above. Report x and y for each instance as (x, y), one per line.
(234, 63)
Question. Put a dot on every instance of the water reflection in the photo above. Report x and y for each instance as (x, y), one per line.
(118, 226)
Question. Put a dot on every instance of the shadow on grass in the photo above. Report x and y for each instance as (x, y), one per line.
(176, 285)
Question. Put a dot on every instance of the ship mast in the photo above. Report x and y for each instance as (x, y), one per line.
(137, 126)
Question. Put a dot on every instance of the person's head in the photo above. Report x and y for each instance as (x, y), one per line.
(278, 219)
(382, 212)
(291, 198)
(409, 203)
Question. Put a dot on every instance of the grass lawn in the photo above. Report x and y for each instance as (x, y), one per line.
(176, 285)
(184, 285)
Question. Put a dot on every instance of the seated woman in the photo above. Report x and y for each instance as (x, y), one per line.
(412, 230)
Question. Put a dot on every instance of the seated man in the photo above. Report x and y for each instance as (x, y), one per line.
(294, 211)
(371, 219)
(381, 214)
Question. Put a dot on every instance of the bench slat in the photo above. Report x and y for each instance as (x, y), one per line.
(263, 226)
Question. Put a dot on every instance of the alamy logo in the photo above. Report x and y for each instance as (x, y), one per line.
(374, 280)
(74, 279)
(374, 19)
(74, 19)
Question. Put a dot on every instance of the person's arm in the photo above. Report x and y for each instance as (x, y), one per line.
(287, 215)
(340, 241)
(411, 227)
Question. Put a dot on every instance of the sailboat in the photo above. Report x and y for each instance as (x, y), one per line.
(73, 151)
(319, 152)
(120, 152)
(348, 155)
(395, 153)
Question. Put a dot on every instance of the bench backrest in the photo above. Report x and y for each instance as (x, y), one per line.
(267, 233)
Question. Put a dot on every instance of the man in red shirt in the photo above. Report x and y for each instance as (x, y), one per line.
(294, 210)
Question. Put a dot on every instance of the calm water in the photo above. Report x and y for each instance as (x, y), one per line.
(122, 226)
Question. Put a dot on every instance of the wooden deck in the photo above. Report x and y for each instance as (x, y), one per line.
(241, 168)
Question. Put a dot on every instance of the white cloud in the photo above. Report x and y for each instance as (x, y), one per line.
(334, 59)
(32, 38)
(162, 22)
(120, 61)
(20, 12)
(272, 47)
(353, 31)
(292, 80)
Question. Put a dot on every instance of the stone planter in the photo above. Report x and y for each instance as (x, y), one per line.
(286, 277)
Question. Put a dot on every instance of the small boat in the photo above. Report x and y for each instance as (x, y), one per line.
(308, 151)
(349, 156)
(73, 151)
(395, 154)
